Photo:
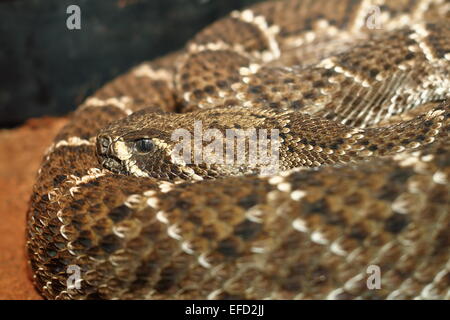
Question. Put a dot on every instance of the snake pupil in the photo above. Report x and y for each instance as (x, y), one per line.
(143, 145)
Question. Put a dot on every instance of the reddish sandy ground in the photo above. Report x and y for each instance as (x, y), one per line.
(21, 152)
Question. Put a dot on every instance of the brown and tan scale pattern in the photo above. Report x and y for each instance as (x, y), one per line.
(364, 120)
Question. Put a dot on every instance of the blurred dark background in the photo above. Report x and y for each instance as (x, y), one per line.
(47, 69)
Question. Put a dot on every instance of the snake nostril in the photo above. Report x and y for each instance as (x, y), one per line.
(103, 143)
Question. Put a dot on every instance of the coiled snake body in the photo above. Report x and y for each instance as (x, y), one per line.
(357, 90)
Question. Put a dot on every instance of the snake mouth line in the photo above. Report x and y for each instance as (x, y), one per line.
(113, 165)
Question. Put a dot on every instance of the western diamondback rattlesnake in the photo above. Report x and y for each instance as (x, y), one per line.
(362, 115)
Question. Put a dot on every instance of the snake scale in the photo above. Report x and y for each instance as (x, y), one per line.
(359, 93)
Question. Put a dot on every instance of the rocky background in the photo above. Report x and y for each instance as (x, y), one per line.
(46, 70)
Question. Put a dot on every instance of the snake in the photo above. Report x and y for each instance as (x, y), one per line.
(352, 95)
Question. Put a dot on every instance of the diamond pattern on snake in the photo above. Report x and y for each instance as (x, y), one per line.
(359, 94)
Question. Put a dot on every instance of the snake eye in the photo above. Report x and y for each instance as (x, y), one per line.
(143, 145)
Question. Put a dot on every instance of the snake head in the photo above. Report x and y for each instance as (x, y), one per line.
(141, 145)
(186, 146)
(126, 155)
